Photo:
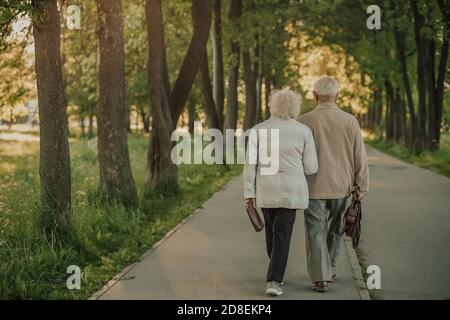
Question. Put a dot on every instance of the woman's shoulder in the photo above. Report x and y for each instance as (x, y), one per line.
(290, 125)
(304, 129)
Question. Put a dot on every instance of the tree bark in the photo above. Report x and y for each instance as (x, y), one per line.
(404, 126)
(192, 116)
(401, 56)
(168, 105)
(378, 96)
(163, 173)
(250, 91)
(207, 97)
(421, 88)
(54, 161)
(267, 90)
(397, 116)
(442, 67)
(433, 126)
(233, 71)
(83, 127)
(258, 81)
(389, 117)
(218, 78)
(112, 119)
(145, 121)
(201, 18)
(91, 126)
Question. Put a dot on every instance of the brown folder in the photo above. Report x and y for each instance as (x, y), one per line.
(255, 218)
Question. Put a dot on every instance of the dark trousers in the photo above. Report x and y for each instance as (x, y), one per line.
(279, 223)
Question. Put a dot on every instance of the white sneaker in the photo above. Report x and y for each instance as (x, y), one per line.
(274, 289)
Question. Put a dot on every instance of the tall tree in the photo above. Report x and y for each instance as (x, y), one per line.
(250, 90)
(54, 162)
(218, 68)
(233, 71)
(114, 161)
(444, 7)
(201, 19)
(420, 65)
(208, 102)
(168, 104)
(162, 168)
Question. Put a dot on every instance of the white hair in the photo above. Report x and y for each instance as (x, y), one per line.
(285, 104)
(326, 87)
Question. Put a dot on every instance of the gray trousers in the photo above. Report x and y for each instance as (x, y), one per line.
(279, 223)
(323, 220)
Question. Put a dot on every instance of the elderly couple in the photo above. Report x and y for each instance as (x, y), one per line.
(322, 160)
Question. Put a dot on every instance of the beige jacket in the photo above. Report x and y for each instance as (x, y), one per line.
(295, 156)
(340, 149)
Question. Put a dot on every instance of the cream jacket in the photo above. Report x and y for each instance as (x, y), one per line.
(340, 150)
(287, 186)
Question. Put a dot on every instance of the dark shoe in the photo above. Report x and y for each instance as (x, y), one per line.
(320, 286)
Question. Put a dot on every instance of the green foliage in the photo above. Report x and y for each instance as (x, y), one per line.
(437, 161)
(107, 236)
(81, 60)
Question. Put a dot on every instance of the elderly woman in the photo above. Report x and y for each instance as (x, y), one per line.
(283, 191)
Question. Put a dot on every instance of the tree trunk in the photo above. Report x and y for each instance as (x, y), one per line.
(54, 162)
(378, 96)
(401, 56)
(167, 107)
(207, 97)
(91, 126)
(258, 81)
(404, 126)
(112, 118)
(83, 127)
(163, 173)
(218, 79)
(145, 121)
(442, 67)
(267, 89)
(201, 18)
(433, 126)
(250, 91)
(371, 114)
(421, 88)
(389, 117)
(397, 116)
(192, 116)
(233, 71)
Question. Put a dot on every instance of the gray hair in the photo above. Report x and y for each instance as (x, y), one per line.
(285, 104)
(326, 87)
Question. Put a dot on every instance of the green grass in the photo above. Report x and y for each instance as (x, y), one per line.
(438, 161)
(107, 236)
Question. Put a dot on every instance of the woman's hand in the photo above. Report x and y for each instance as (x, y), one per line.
(249, 203)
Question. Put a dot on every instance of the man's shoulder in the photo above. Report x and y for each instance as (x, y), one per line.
(315, 115)
(308, 115)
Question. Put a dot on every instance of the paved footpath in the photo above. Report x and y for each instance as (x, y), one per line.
(406, 229)
(216, 254)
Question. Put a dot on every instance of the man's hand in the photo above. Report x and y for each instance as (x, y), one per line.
(359, 195)
(249, 203)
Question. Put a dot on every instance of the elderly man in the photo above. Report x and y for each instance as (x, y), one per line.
(343, 169)
(282, 192)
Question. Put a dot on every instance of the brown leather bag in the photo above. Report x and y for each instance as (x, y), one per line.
(352, 221)
(255, 218)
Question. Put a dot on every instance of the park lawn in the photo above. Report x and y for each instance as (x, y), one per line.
(108, 237)
(438, 161)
